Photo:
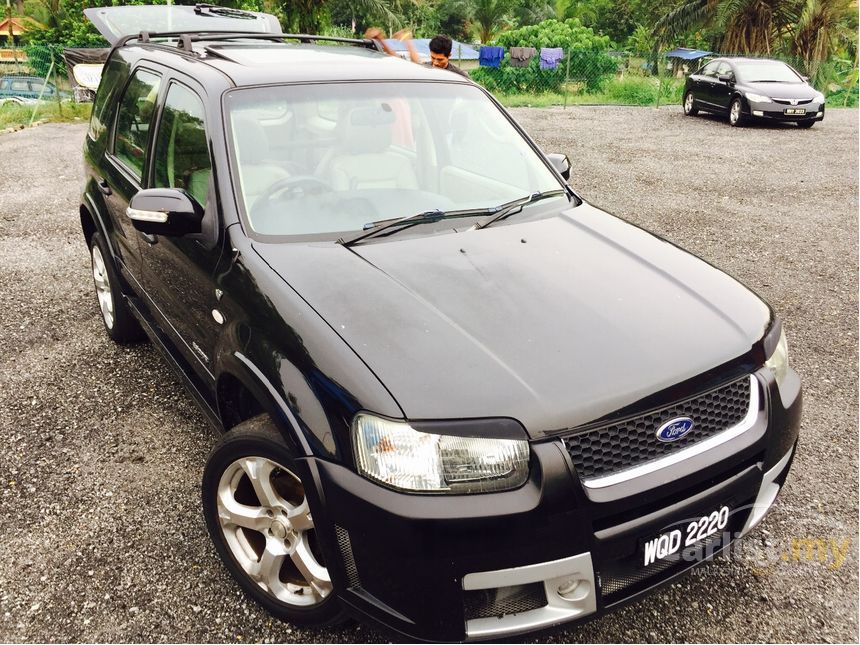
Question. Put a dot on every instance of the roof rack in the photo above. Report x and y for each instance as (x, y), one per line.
(187, 39)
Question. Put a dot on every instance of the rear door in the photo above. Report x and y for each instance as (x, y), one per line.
(125, 159)
(708, 79)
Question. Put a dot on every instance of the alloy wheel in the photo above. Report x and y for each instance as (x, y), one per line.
(688, 103)
(735, 113)
(103, 288)
(264, 515)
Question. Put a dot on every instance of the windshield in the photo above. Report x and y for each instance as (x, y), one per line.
(759, 71)
(324, 159)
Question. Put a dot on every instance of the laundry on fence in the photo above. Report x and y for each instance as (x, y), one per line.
(520, 56)
(491, 56)
(550, 57)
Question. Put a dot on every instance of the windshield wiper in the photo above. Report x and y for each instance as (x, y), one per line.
(375, 228)
(506, 210)
(223, 11)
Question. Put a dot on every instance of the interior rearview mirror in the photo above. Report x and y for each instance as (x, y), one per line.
(165, 211)
(561, 163)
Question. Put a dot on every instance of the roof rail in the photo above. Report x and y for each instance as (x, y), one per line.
(186, 39)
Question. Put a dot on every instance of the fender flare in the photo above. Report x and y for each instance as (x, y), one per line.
(273, 403)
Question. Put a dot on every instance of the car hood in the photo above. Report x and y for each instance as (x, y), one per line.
(554, 322)
(782, 90)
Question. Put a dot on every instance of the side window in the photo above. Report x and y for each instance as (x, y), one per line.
(110, 81)
(710, 69)
(181, 150)
(135, 116)
(20, 86)
(724, 68)
(36, 86)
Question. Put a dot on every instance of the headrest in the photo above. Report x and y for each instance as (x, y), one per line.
(368, 129)
(250, 139)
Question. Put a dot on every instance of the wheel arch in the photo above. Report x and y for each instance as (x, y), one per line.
(242, 392)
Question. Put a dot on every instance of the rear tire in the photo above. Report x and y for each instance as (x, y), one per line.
(690, 108)
(805, 124)
(736, 113)
(258, 517)
(120, 324)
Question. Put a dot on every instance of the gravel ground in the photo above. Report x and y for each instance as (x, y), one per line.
(102, 535)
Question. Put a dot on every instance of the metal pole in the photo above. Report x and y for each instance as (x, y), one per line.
(566, 77)
(39, 100)
(12, 36)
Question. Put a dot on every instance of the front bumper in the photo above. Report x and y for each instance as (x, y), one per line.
(484, 567)
(777, 112)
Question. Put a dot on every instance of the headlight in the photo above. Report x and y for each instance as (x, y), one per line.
(819, 98)
(758, 98)
(778, 361)
(396, 455)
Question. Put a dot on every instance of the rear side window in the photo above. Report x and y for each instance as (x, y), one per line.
(181, 150)
(134, 118)
(110, 81)
(710, 69)
(20, 86)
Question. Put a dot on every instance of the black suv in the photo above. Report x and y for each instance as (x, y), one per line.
(455, 399)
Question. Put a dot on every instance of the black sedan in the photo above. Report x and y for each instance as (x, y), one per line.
(753, 88)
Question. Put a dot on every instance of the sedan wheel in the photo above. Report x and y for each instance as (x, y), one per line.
(736, 113)
(103, 290)
(261, 524)
(690, 108)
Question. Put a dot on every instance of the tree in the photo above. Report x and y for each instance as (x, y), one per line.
(747, 26)
(491, 17)
(822, 27)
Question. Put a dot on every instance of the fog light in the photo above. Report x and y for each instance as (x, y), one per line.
(819, 113)
(758, 113)
(574, 589)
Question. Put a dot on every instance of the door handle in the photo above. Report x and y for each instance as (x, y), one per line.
(149, 238)
(104, 186)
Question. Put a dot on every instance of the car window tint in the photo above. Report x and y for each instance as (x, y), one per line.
(134, 118)
(181, 151)
(710, 69)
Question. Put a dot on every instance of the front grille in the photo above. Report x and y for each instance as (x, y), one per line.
(502, 601)
(789, 101)
(345, 546)
(631, 442)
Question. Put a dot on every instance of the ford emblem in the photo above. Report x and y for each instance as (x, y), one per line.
(674, 429)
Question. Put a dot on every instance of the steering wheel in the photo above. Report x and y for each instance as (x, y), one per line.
(308, 184)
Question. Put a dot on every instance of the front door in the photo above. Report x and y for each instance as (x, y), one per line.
(180, 272)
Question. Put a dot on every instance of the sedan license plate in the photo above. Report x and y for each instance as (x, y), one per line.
(696, 530)
(794, 111)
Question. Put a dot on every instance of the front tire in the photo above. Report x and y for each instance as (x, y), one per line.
(736, 113)
(120, 324)
(690, 108)
(258, 517)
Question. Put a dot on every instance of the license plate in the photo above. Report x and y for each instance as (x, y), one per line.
(794, 111)
(696, 530)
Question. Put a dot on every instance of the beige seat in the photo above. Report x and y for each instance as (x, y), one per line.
(364, 159)
(256, 170)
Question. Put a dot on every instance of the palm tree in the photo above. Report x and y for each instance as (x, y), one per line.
(821, 28)
(491, 17)
(748, 26)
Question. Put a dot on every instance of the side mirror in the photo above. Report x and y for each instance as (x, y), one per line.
(165, 211)
(805, 78)
(561, 163)
(726, 78)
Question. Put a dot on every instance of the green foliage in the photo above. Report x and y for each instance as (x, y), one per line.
(585, 59)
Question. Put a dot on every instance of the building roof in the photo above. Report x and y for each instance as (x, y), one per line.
(688, 54)
(20, 25)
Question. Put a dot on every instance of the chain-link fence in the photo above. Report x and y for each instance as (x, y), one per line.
(607, 77)
(34, 77)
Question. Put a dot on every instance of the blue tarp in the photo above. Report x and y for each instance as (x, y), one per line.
(688, 54)
(459, 51)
